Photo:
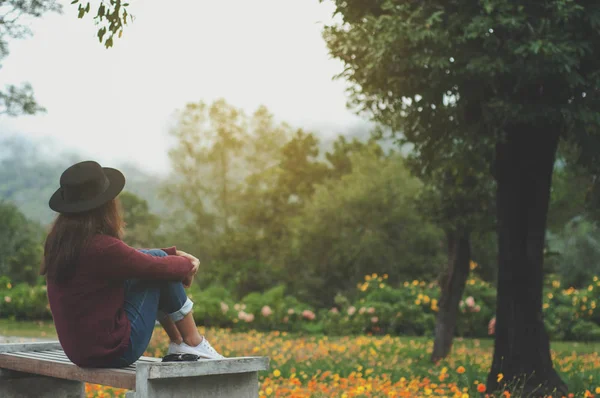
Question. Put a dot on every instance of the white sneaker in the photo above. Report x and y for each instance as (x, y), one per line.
(203, 350)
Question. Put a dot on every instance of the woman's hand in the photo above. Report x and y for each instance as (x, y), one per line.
(187, 281)
(193, 259)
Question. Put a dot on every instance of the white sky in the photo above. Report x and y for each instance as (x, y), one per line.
(115, 104)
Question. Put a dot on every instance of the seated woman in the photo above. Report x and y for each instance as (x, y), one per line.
(105, 296)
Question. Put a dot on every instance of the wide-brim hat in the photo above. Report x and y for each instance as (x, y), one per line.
(86, 186)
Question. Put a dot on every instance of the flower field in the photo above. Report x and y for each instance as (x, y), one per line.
(383, 366)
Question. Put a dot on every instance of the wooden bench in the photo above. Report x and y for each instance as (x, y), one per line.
(42, 370)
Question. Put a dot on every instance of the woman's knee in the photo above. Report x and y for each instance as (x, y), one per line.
(154, 252)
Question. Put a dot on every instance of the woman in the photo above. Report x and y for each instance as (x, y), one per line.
(105, 296)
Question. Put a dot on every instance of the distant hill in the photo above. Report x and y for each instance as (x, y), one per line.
(29, 174)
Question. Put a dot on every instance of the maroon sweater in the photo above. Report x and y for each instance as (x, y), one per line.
(88, 313)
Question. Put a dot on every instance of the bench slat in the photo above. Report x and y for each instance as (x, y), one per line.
(34, 346)
(20, 362)
(41, 356)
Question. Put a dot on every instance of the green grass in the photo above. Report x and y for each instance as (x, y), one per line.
(40, 329)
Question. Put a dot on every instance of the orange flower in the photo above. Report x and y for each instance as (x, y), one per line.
(481, 388)
(460, 370)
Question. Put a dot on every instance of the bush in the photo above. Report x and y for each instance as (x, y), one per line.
(376, 308)
(23, 301)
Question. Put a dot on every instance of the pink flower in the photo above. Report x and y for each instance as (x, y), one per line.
(362, 310)
(266, 311)
(334, 310)
(245, 316)
(237, 307)
(374, 319)
(371, 310)
(351, 310)
(7, 299)
(224, 307)
(291, 311)
(308, 314)
(470, 301)
(477, 308)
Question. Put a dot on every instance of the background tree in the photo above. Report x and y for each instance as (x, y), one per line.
(17, 100)
(458, 197)
(141, 225)
(366, 221)
(20, 245)
(520, 74)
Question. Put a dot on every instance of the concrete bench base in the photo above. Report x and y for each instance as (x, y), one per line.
(240, 385)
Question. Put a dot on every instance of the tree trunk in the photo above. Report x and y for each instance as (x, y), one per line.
(452, 285)
(523, 170)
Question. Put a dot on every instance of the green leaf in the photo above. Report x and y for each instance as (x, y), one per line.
(101, 34)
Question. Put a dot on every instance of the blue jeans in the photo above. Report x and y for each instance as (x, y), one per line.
(145, 302)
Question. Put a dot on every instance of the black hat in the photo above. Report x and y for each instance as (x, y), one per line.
(86, 186)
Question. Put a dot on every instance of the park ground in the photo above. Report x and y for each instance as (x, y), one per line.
(359, 366)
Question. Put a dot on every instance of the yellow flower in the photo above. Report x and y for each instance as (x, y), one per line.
(556, 284)
(472, 265)
(8, 285)
(276, 373)
(269, 390)
(500, 377)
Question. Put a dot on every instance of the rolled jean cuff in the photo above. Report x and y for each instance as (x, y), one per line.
(179, 314)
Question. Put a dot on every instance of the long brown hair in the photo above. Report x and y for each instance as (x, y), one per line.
(71, 233)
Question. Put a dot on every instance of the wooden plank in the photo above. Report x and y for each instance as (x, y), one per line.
(205, 367)
(53, 355)
(35, 346)
(41, 356)
(119, 378)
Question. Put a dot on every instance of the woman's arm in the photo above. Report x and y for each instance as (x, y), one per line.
(118, 260)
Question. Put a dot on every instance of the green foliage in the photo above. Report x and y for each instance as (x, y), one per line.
(578, 248)
(18, 100)
(20, 245)
(23, 301)
(377, 307)
(240, 278)
(111, 18)
(141, 225)
(366, 221)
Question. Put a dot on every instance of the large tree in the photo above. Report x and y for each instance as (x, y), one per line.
(519, 74)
